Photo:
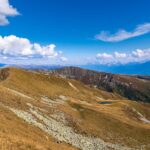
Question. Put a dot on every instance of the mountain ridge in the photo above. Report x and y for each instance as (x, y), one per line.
(141, 68)
(132, 87)
(136, 69)
(40, 110)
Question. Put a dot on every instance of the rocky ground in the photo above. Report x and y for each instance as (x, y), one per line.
(57, 113)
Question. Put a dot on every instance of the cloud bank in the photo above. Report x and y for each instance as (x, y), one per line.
(21, 48)
(137, 55)
(104, 56)
(6, 10)
(123, 34)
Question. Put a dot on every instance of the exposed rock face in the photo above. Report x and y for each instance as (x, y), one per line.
(132, 87)
(4, 73)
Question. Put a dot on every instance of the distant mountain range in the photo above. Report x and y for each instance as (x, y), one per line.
(2, 65)
(130, 68)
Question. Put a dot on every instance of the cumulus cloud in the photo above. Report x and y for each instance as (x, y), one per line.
(21, 48)
(123, 34)
(141, 53)
(104, 56)
(120, 55)
(6, 10)
(63, 59)
(138, 55)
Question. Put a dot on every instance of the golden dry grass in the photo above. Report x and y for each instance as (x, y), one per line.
(15, 134)
(113, 123)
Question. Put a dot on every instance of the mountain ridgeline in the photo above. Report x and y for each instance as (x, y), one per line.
(132, 87)
(44, 110)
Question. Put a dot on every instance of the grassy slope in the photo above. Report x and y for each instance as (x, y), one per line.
(17, 135)
(38, 84)
(113, 123)
(131, 87)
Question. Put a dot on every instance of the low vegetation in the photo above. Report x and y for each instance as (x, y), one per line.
(45, 111)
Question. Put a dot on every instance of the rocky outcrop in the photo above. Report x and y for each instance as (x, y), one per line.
(62, 132)
(131, 87)
(4, 73)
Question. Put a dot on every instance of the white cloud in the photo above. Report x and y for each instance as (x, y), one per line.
(141, 53)
(120, 55)
(104, 56)
(6, 10)
(123, 34)
(63, 59)
(21, 48)
(5, 57)
(133, 56)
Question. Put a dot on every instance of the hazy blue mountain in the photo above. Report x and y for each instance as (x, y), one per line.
(2, 65)
(131, 68)
(37, 67)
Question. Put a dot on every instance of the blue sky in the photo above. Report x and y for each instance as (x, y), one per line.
(75, 31)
